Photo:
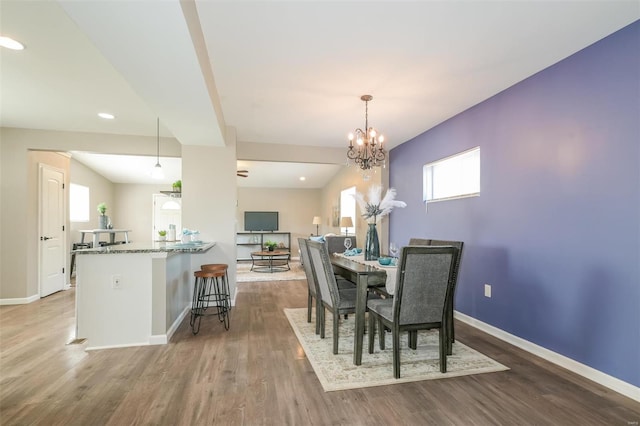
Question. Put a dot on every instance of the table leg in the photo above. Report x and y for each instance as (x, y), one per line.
(126, 237)
(96, 239)
(361, 308)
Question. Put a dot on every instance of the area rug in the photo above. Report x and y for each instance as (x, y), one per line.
(244, 274)
(337, 372)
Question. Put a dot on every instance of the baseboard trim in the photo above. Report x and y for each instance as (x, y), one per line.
(19, 300)
(177, 322)
(583, 370)
(129, 345)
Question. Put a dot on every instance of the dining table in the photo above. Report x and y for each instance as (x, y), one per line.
(365, 274)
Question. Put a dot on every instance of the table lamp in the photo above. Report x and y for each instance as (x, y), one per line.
(347, 223)
(317, 221)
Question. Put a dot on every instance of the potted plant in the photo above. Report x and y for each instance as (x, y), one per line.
(103, 219)
(270, 245)
(177, 186)
(162, 235)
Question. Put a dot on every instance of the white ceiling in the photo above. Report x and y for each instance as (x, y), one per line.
(279, 72)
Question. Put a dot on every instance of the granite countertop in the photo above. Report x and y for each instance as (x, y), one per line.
(152, 247)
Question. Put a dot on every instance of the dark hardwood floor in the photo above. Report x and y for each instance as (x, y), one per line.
(257, 374)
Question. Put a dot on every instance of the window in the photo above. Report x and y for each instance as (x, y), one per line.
(78, 203)
(348, 208)
(452, 177)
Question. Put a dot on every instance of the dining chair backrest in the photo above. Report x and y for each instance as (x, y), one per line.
(419, 242)
(323, 272)
(424, 284)
(306, 264)
(335, 243)
(429, 242)
(457, 244)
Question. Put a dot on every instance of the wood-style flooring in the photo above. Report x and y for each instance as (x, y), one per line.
(257, 374)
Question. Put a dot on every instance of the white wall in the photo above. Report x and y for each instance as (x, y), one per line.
(134, 209)
(209, 199)
(296, 209)
(348, 177)
(19, 281)
(100, 190)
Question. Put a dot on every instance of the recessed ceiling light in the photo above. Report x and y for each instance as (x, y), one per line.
(106, 115)
(10, 43)
(303, 178)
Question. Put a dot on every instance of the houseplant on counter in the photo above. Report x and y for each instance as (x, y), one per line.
(162, 235)
(270, 245)
(177, 186)
(372, 210)
(103, 220)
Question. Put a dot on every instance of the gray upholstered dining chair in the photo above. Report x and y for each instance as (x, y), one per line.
(424, 286)
(312, 284)
(335, 300)
(451, 337)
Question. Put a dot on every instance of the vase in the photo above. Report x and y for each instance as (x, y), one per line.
(372, 244)
(103, 221)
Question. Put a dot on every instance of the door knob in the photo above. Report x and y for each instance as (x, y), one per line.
(45, 238)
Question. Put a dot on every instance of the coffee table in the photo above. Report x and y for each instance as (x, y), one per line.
(270, 261)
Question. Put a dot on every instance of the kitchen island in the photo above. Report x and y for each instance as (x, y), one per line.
(133, 294)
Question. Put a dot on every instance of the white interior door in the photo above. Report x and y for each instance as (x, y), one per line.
(52, 237)
(166, 210)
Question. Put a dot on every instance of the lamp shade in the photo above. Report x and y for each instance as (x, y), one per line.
(317, 220)
(346, 221)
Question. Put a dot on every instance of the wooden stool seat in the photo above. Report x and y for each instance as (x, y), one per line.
(211, 273)
(213, 266)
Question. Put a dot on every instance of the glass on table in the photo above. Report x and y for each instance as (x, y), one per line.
(394, 250)
(347, 243)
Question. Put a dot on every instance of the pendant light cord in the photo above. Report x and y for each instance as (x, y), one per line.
(158, 140)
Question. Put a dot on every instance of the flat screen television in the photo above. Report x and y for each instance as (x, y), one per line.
(261, 221)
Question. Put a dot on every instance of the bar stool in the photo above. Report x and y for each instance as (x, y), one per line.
(225, 268)
(77, 246)
(210, 290)
(219, 266)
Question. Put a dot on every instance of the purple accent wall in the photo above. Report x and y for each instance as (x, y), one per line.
(556, 229)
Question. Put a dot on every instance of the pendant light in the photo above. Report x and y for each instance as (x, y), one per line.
(157, 172)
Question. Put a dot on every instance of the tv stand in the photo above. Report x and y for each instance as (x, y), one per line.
(252, 241)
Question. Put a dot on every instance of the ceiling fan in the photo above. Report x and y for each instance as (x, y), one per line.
(242, 173)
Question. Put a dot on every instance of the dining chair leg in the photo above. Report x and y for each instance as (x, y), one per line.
(450, 331)
(413, 339)
(396, 353)
(381, 332)
(321, 320)
(336, 328)
(372, 331)
(309, 302)
(318, 315)
(443, 349)
(336, 325)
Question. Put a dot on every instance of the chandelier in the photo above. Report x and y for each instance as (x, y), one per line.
(367, 152)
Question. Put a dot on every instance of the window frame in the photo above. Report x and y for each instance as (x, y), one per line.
(428, 179)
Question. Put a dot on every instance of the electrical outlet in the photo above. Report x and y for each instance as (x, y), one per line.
(116, 281)
(487, 290)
